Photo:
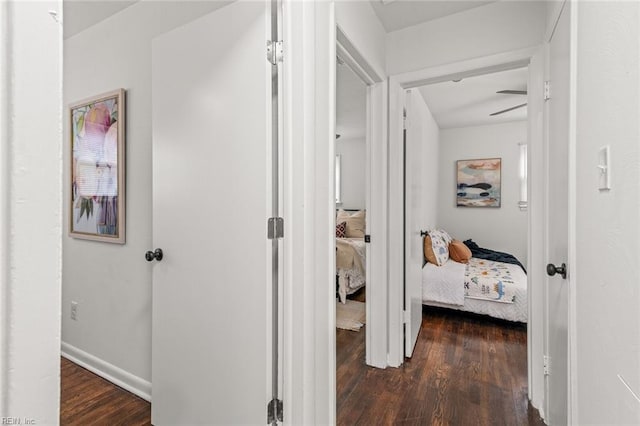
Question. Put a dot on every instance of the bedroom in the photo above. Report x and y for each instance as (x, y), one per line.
(480, 139)
(460, 128)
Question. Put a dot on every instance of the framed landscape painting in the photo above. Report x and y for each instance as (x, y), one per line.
(97, 210)
(478, 182)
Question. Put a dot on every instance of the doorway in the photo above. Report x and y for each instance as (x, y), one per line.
(352, 181)
(466, 177)
(535, 262)
(203, 131)
(351, 198)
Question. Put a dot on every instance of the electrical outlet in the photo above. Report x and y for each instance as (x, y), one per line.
(74, 311)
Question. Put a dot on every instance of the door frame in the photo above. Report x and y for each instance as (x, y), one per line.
(308, 162)
(309, 333)
(552, 20)
(467, 68)
(376, 306)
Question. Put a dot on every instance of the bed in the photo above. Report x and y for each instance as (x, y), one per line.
(350, 252)
(485, 285)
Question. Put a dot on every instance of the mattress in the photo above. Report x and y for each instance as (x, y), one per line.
(516, 310)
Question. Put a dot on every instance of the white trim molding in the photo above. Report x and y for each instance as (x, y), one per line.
(377, 344)
(309, 354)
(4, 204)
(30, 210)
(536, 211)
(572, 385)
(110, 372)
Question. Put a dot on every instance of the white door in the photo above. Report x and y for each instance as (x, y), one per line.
(557, 287)
(413, 243)
(211, 91)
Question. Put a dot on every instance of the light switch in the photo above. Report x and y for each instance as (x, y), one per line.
(604, 168)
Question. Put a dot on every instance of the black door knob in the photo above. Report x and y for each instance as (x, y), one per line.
(150, 255)
(553, 269)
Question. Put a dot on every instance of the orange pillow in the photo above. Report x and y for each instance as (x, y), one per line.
(459, 252)
(428, 251)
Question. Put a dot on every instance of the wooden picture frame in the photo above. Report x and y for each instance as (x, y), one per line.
(479, 182)
(97, 175)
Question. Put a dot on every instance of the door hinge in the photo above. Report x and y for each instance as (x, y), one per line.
(275, 52)
(274, 411)
(406, 317)
(404, 119)
(546, 365)
(367, 238)
(547, 91)
(275, 228)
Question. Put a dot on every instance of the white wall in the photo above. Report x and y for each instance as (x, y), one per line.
(363, 29)
(495, 28)
(30, 214)
(112, 283)
(423, 125)
(353, 157)
(505, 228)
(607, 256)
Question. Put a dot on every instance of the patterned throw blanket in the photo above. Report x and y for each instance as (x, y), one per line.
(498, 256)
(489, 280)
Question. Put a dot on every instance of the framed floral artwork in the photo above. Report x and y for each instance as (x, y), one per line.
(479, 183)
(97, 208)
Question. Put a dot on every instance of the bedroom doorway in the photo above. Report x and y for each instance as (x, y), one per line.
(351, 210)
(464, 164)
(360, 196)
(530, 64)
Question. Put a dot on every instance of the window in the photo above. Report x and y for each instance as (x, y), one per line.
(338, 178)
(523, 203)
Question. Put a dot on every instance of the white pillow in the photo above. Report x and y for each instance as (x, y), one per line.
(356, 223)
(440, 241)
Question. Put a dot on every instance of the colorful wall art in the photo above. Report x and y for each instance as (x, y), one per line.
(478, 183)
(97, 210)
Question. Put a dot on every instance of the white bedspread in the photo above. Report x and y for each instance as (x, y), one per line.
(516, 311)
(444, 284)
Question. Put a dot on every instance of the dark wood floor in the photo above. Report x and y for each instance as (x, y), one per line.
(466, 370)
(87, 399)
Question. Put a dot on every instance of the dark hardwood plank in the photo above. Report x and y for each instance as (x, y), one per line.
(88, 399)
(465, 370)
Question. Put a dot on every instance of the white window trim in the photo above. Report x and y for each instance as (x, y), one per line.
(523, 175)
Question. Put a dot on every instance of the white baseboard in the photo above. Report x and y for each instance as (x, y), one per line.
(110, 372)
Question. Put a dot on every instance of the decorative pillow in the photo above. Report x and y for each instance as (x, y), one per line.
(440, 244)
(459, 252)
(341, 230)
(428, 251)
(448, 238)
(356, 223)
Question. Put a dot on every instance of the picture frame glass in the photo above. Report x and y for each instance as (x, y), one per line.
(97, 168)
(479, 183)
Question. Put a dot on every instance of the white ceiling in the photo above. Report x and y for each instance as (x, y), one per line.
(399, 14)
(470, 101)
(79, 15)
(394, 15)
(351, 104)
(462, 104)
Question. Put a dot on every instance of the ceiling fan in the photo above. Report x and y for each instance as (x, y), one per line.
(510, 92)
